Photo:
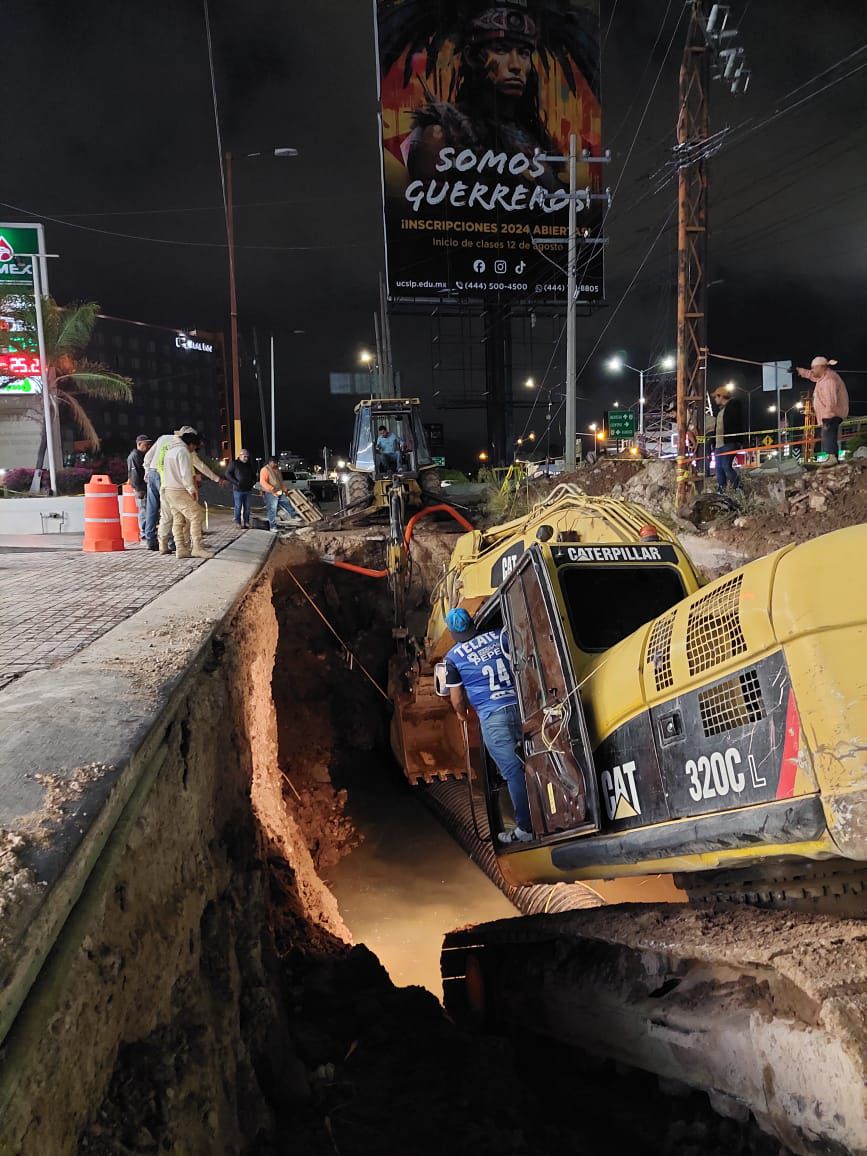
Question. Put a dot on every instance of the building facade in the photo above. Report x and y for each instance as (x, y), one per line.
(178, 379)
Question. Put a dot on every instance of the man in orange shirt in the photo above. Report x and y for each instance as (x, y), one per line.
(274, 493)
(830, 403)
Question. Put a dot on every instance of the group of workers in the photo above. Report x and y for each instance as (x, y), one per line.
(727, 429)
(164, 477)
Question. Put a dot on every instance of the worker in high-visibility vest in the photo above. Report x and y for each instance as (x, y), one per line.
(179, 500)
(153, 473)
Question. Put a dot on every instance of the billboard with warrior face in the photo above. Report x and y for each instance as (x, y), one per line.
(475, 97)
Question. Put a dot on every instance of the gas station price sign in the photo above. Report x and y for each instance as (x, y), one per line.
(20, 367)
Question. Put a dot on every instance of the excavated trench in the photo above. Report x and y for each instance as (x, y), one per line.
(216, 1002)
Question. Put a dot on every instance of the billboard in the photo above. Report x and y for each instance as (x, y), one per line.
(475, 97)
(20, 370)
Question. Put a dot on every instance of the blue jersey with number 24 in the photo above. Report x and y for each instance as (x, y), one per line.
(481, 667)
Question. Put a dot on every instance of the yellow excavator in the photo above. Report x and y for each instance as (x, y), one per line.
(668, 726)
(710, 735)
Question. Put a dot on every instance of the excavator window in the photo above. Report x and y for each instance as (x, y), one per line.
(607, 603)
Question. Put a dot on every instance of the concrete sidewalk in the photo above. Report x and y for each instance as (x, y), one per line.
(54, 602)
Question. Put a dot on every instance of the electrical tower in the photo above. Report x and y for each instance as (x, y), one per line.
(709, 51)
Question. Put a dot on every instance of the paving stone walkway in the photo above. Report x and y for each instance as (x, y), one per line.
(53, 603)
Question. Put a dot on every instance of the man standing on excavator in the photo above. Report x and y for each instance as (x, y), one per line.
(477, 669)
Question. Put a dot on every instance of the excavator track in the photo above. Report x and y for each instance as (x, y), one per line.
(766, 1011)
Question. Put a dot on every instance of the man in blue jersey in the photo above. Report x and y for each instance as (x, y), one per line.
(478, 671)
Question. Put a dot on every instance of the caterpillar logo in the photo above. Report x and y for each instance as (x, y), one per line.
(620, 793)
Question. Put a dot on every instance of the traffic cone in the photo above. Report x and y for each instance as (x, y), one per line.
(129, 515)
(102, 531)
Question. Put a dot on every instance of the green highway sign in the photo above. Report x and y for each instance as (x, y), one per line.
(621, 424)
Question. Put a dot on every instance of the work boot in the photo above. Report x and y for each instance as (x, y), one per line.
(180, 552)
(516, 835)
(201, 551)
(164, 546)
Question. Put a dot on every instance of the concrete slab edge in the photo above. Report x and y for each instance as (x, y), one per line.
(102, 720)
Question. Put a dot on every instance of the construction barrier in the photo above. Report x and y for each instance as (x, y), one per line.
(129, 525)
(102, 532)
(306, 510)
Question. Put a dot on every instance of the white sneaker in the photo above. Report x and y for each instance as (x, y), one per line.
(516, 835)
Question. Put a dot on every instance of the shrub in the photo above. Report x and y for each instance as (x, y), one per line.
(20, 480)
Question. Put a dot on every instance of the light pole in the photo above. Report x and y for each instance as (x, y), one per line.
(233, 296)
(616, 363)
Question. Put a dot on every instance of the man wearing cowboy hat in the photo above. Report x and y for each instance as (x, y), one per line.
(830, 403)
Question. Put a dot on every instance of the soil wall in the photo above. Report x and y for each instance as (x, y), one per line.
(159, 1020)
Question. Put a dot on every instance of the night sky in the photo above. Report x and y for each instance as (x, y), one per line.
(108, 124)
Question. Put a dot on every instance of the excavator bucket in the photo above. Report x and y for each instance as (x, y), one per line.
(426, 734)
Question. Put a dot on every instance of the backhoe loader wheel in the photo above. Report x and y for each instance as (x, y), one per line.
(430, 482)
(356, 491)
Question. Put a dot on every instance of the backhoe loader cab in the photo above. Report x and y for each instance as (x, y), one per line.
(388, 441)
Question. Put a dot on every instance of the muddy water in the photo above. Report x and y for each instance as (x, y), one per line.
(409, 882)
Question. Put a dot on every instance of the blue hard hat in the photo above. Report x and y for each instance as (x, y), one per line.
(460, 622)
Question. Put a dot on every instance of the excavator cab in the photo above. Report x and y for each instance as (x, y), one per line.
(558, 758)
(388, 444)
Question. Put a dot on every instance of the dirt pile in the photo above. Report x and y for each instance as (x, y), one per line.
(795, 507)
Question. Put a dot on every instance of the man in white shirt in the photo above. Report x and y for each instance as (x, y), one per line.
(178, 498)
(153, 476)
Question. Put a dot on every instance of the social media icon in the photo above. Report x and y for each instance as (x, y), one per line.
(500, 266)
(520, 267)
(478, 266)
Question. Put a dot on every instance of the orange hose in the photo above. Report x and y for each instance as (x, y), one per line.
(360, 570)
(410, 526)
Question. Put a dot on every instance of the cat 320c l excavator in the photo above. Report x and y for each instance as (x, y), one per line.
(716, 733)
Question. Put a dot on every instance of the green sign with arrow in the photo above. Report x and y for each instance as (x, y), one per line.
(621, 424)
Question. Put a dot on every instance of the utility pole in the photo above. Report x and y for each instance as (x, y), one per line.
(586, 197)
(380, 370)
(273, 407)
(572, 250)
(388, 389)
(233, 311)
(257, 362)
(709, 50)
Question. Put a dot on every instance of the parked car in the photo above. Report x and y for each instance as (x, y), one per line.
(297, 480)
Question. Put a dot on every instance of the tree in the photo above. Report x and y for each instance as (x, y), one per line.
(70, 375)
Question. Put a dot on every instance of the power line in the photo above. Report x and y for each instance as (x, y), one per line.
(216, 106)
(615, 311)
(172, 240)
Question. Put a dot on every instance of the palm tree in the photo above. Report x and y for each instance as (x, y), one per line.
(70, 376)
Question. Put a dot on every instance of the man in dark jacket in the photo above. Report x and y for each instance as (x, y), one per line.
(242, 474)
(726, 436)
(136, 473)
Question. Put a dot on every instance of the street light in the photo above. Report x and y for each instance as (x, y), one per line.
(530, 383)
(616, 363)
(365, 357)
(594, 425)
(233, 297)
(729, 387)
(531, 437)
(483, 457)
